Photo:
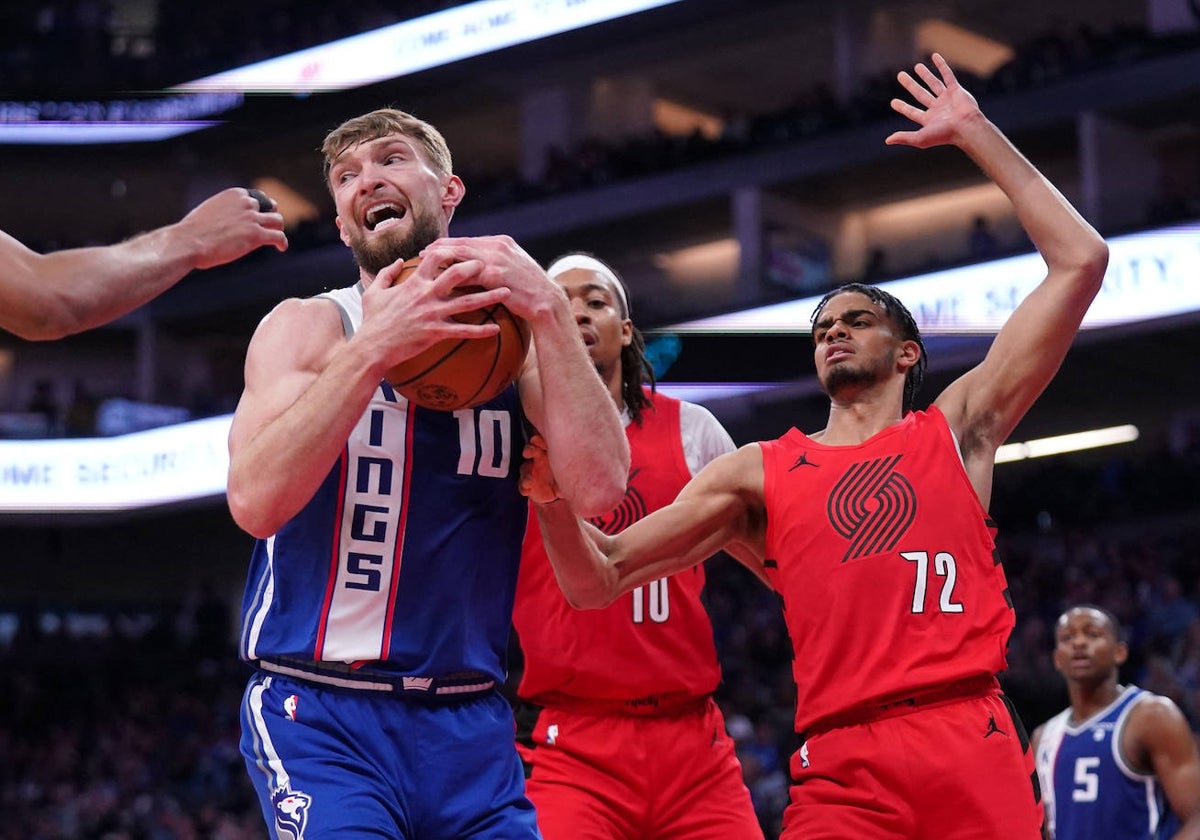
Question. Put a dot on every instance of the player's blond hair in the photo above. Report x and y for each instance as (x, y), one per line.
(386, 122)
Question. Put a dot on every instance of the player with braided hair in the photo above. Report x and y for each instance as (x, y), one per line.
(874, 532)
(906, 329)
(616, 722)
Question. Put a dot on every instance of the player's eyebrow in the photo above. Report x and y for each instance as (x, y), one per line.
(599, 288)
(849, 315)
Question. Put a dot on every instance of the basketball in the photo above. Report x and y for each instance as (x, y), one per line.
(463, 372)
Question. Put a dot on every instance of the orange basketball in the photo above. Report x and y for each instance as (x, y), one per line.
(463, 372)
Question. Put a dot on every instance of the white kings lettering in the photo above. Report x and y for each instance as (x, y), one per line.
(370, 525)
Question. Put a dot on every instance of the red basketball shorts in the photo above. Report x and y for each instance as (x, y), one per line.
(596, 776)
(962, 770)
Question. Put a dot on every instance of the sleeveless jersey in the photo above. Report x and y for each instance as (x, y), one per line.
(886, 564)
(657, 639)
(405, 559)
(1089, 789)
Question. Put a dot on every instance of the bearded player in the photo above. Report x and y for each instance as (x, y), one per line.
(379, 599)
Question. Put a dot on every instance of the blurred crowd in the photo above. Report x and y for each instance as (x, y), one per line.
(124, 727)
(1049, 58)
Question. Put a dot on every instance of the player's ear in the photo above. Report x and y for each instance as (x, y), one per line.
(453, 192)
(341, 230)
(1120, 653)
(908, 354)
(626, 332)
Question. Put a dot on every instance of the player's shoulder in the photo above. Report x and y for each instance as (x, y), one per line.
(1156, 709)
(743, 466)
(1155, 718)
(734, 466)
(299, 332)
(691, 413)
(296, 313)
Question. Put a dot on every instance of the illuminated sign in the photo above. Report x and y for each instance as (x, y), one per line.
(1150, 275)
(160, 466)
(419, 44)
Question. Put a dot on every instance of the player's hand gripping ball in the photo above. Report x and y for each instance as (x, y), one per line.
(463, 372)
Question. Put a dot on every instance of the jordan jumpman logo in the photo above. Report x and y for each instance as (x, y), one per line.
(803, 461)
(993, 728)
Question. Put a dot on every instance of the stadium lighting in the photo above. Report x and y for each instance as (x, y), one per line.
(1059, 444)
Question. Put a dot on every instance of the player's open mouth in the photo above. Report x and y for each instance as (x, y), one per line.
(383, 216)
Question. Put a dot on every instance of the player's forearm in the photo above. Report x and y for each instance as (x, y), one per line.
(85, 287)
(589, 453)
(580, 566)
(1070, 246)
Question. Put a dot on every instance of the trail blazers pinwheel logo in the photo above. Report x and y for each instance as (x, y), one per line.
(872, 506)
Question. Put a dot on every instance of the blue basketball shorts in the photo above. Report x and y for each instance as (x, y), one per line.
(348, 763)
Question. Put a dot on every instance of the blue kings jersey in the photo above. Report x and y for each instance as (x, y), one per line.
(405, 560)
(1088, 788)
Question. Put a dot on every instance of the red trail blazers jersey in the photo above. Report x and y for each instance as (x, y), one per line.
(654, 640)
(886, 563)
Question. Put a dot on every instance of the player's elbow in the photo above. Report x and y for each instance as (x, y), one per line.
(589, 597)
(250, 515)
(46, 319)
(40, 331)
(601, 490)
(591, 502)
(1090, 262)
(1096, 262)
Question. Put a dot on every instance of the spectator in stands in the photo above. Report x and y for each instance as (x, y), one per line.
(981, 242)
(44, 402)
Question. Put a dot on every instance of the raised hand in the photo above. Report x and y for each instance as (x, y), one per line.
(947, 107)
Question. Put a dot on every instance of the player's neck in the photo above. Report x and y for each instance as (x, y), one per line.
(851, 423)
(1088, 700)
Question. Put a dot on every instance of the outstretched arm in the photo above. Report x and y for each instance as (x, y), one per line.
(721, 508)
(46, 296)
(986, 404)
